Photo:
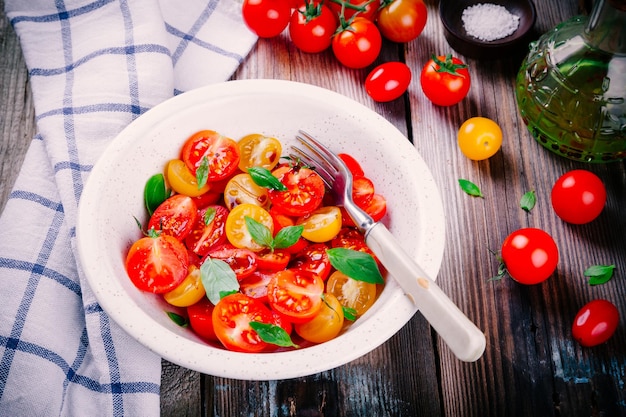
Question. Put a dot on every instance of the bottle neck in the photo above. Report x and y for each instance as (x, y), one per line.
(606, 28)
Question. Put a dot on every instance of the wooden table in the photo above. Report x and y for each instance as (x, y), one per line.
(532, 366)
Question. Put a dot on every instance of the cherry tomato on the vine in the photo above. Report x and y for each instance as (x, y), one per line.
(445, 80)
(578, 196)
(402, 20)
(366, 9)
(388, 81)
(479, 138)
(312, 27)
(266, 18)
(595, 323)
(530, 255)
(358, 44)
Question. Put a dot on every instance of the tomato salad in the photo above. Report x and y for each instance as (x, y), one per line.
(250, 250)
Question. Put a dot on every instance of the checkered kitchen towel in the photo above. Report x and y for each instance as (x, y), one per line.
(95, 66)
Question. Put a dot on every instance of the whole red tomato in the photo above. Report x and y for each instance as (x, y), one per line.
(578, 196)
(312, 27)
(266, 18)
(388, 81)
(445, 80)
(595, 323)
(358, 44)
(363, 8)
(402, 20)
(530, 255)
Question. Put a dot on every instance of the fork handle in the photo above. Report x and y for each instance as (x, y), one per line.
(465, 340)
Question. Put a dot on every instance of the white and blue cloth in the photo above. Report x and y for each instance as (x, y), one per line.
(95, 66)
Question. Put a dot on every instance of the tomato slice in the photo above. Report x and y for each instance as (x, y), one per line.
(272, 260)
(362, 190)
(220, 153)
(209, 230)
(296, 294)
(237, 230)
(188, 292)
(352, 164)
(313, 259)
(376, 209)
(176, 216)
(182, 180)
(322, 224)
(305, 191)
(255, 285)
(257, 150)
(201, 319)
(231, 320)
(157, 263)
(351, 293)
(242, 189)
(242, 261)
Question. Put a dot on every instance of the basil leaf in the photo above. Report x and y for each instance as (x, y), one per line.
(599, 274)
(349, 313)
(288, 236)
(178, 319)
(470, 188)
(209, 215)
(264, 178)
(271, 333)
(155, 192)
(357, 265)
(202, 172)
(218, 278)
(259, 232)
(528, 201)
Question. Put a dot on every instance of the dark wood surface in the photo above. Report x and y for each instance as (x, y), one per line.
(532, 366)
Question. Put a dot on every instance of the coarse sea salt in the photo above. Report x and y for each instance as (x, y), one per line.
(489, 22)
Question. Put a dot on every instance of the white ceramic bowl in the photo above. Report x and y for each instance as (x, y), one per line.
(113, 197)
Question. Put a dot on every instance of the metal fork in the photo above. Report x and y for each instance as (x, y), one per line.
(465, 340)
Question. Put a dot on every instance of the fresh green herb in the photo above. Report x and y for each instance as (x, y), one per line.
(470, 188)
(286, 237)
(528, 201)
(264, 178)
(202, 172)
(599, 274)
(502, 271)
(357, 265)
(178, 319)
(349, 313)
(209, 215)
(155, 192)
(218, 279)
(271, 333)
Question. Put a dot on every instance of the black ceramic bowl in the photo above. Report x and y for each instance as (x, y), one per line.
(450, 12)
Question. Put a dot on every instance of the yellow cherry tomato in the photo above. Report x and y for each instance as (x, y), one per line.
(257, 150)
(242, 189)
(351, 293)
(322, 224)
(479, 138)
(326, 325)
(189, 292)
(237, 230)
(180, 178)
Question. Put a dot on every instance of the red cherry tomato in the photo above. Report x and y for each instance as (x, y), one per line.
(255, 285)
(313, 259)
(272, 260)
(242, 261)
(209, 230)
(362, 190)
(221, 154)
(388, 81)
(530, 255)
(296, 294)
(357, 45)
(157, 263)
(201, 319)
(266, 18)
(305, 191)
(176, 216)
(445, 80)
(352, 163)
(365, 8)
(578, 196)
(595, 323)
(402, 20)
(312, 27)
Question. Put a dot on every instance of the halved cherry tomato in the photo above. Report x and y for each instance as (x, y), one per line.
(362, 190)
(255, 285)
(209, 230)
(237, 230)
(445, 80)
(595, 323)
(188, 292)
(266, 18)
(176, 216)
(242, 189)
(218, 153)
(402, 20)
(352, 239)
(182, 180)
(352, 163)
(305, 191)
(272, 260)
(296, 294)
(206, 199)
(358, 44)
(578, 196)
(157, 263)
(388, 81)
(258, 150)
(530, 255)
(312, 27)
(351, 293)
(326, 325)
(201, 319)
(322, 224)
(313, 259)
(242, 261)
(376, 209)
(231, 320)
